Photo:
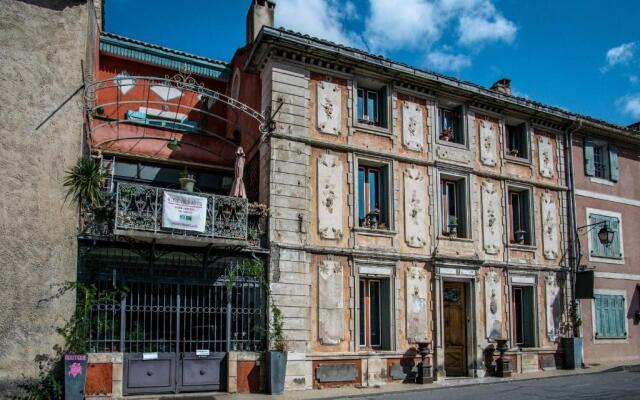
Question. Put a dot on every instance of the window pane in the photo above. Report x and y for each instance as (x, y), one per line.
(360, 104)
(125, 169)
(361, 205)
(374, 189)
(362, 313)
(372, 106)
(518, 305)
(452, 201)
(374, 313)
(515, 212)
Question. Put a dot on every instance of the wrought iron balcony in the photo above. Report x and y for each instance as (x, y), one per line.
(136, 210)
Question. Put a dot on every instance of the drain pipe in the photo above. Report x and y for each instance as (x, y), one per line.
(572, 222)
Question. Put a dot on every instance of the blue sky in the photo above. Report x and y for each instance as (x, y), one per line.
(581, 55)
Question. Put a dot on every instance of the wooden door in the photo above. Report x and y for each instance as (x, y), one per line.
(455, 337)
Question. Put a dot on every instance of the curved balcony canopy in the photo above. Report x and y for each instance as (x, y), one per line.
(143, 114)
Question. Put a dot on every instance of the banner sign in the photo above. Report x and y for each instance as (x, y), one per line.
(183, 211)
(75, 374)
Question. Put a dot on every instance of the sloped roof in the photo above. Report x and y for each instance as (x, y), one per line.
(111, 43)
(380, 60)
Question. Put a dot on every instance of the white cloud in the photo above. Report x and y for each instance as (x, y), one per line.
(633, 79)
(630, 105)
(474, 29)
(389, 25)
(621, 54)
(442, 61)
(321, 18)
(421, 23)
(393, 26)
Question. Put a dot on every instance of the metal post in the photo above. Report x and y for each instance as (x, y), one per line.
(229, 292)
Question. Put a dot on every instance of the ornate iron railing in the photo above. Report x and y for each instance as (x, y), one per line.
(139, 208)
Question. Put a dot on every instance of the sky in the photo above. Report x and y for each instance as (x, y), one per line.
(579, 55)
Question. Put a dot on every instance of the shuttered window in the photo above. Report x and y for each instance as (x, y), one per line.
(610, 316)
(601, 160)
(598, 249)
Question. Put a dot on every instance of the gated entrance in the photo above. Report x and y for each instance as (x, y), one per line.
(174, 329)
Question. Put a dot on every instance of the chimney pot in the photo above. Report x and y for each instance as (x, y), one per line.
(261, 13)
(503, 86)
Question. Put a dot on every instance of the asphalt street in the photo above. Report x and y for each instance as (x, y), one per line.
(604, 385)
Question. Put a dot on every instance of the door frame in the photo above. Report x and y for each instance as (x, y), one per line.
(471, 323)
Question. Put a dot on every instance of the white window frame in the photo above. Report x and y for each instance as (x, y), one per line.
(594, 231)
(609, 292)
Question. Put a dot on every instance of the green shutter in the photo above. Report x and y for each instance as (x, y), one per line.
(614, 173)
(610, 316)
(597, 248)
(589, 165)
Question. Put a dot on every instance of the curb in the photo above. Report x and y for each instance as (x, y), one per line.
(622, 368)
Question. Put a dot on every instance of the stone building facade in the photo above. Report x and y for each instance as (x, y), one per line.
(406, 208)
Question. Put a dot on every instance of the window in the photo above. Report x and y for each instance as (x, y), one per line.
(372, 105)
(453, 207)
(520, 231)
(517, 141)
(613, 250)
(374, 313)
(163, 119)
(168, 176)
(600, 162)
(372, 197)
(523, 316)
(610, 316)
(451, 124)
(601, 159)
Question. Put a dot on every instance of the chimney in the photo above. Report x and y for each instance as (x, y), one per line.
(260, 14)
(502, 86)
(635, 127)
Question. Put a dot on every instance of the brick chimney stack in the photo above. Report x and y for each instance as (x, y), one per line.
(503, 86)
(261, 13)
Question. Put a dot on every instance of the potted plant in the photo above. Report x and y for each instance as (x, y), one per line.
(277, 355)
(187, 180)
(572, 345)
(447, 134)
(519, 236)
(84, 182)
(453, 226)
(372, 219)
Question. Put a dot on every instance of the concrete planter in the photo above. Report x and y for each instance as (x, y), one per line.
(572, 348)
(276, 370)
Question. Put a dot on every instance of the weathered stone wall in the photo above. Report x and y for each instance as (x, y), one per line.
(41, 46)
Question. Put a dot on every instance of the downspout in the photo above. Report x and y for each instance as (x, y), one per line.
(573, 234)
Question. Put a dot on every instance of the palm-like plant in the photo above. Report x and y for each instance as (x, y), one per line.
(84, 182)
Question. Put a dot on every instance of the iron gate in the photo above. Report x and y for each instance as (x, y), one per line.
(175, 335)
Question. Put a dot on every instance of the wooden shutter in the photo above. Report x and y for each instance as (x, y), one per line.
(614, 174)
(589, 164)
(610, 316)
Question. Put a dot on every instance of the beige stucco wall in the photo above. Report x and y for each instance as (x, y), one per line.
(41, 46)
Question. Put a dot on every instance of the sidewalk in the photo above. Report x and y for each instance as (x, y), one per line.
(395, 387)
